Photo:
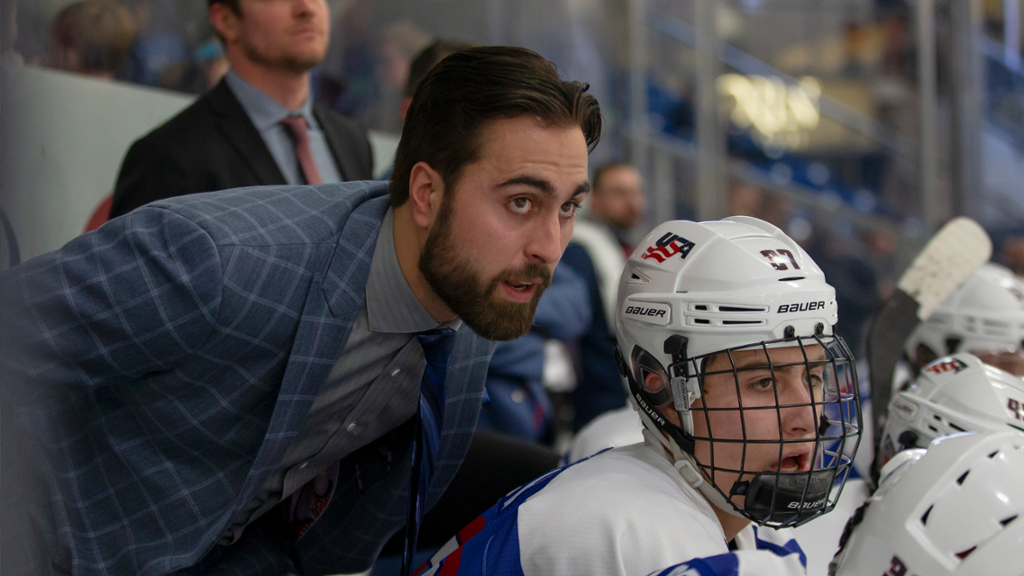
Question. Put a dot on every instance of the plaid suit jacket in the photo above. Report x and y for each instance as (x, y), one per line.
(155, 371)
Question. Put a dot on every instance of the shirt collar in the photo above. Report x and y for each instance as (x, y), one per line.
(391, 305)
(264, 111)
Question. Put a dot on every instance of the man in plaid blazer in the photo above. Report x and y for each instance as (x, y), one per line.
(164, 376)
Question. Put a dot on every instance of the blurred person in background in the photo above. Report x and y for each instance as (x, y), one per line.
(598, 254)
(213, 65)
(746, 199)
(399, 44)
(855, 281)
(9, 35)
(259, 125)
(160, 55)
(519, 403)
(91, 37)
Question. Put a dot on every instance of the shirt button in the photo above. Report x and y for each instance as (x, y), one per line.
(351, 427)
(303, 465)
(395, 372)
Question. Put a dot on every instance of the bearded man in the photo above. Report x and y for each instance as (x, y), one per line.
(275, 380)
(259, 125)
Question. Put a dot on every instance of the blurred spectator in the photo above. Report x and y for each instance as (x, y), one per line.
(210, 59)
(422, 63)
(9, 35)
(855, 281)
(881, 255)
(258, 126)
(519, 404)
(617, 201)
(91, 37)
(398, 45)
(746, 199)
(597, 253)
(160, 56)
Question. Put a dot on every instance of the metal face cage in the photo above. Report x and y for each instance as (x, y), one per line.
(774, 426)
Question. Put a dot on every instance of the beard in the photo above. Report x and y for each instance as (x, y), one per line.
(470, 297)
(294, 63)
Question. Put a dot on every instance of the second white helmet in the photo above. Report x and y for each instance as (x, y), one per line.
(984, 316)
(953, 394)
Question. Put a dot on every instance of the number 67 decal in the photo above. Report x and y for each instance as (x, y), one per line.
(775, 258)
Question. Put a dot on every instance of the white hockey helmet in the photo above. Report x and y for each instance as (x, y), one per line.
(953, 394)
(984, 316)
(958, 509)
(695, 292)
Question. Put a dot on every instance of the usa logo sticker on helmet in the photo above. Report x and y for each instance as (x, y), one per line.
(668, 246)
(945, 365)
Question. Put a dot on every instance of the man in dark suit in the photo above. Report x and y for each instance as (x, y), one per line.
(258, 126)
(249, 381)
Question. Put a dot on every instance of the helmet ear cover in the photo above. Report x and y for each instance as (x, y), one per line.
(649, 401)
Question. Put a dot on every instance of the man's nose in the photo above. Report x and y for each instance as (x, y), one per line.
(544, 245)
(303, 6)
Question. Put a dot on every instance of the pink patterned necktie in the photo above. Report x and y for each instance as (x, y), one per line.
(297, 126)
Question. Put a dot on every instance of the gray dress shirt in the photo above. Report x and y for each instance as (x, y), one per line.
(266, 115)
(373, 387)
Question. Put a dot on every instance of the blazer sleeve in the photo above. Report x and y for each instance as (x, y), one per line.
(136, 296)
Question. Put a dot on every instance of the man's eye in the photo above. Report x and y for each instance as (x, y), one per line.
(520, 205)
(569, 209)
(764, 384)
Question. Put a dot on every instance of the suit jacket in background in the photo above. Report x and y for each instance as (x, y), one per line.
(155, 371)
(213, 145)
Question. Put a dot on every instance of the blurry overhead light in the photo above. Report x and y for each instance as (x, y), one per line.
(780, 114)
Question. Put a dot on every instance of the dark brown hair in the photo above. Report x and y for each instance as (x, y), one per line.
(232, 4)
(475, 86)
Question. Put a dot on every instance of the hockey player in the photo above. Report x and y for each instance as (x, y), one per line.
(956, 510)
(953, 394)
(725, 331)
(984, 316)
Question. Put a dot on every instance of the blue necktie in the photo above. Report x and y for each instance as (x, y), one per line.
(437, 349)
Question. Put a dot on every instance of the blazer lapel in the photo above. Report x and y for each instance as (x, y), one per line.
(236, 127)
(334, 298)
(344, 162)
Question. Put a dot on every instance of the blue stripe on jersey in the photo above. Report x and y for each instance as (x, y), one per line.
(720, 565)
(790, 547)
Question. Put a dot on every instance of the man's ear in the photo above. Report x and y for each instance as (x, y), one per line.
(426, 190)
(224, 21)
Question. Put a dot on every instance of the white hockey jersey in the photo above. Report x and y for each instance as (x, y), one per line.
(623, 512)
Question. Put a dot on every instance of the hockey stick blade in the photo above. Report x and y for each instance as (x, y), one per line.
(953, 254)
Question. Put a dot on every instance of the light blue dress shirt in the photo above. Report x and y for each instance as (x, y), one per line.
(266, 114)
